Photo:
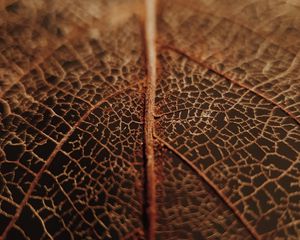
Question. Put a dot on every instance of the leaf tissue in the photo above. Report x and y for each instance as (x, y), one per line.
(144, 119)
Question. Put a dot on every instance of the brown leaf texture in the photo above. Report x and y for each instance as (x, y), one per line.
(143, 119)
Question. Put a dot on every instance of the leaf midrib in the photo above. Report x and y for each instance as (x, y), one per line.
(150, 44)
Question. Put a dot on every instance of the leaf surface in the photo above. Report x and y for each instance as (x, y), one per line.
(143, 120)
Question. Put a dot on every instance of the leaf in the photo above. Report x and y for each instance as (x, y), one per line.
(143, 120)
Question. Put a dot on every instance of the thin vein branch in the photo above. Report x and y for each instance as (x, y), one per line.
(50, 159)
(243, 85)
(251, 230)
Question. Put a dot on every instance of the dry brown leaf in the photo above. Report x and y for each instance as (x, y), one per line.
(141, 120)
